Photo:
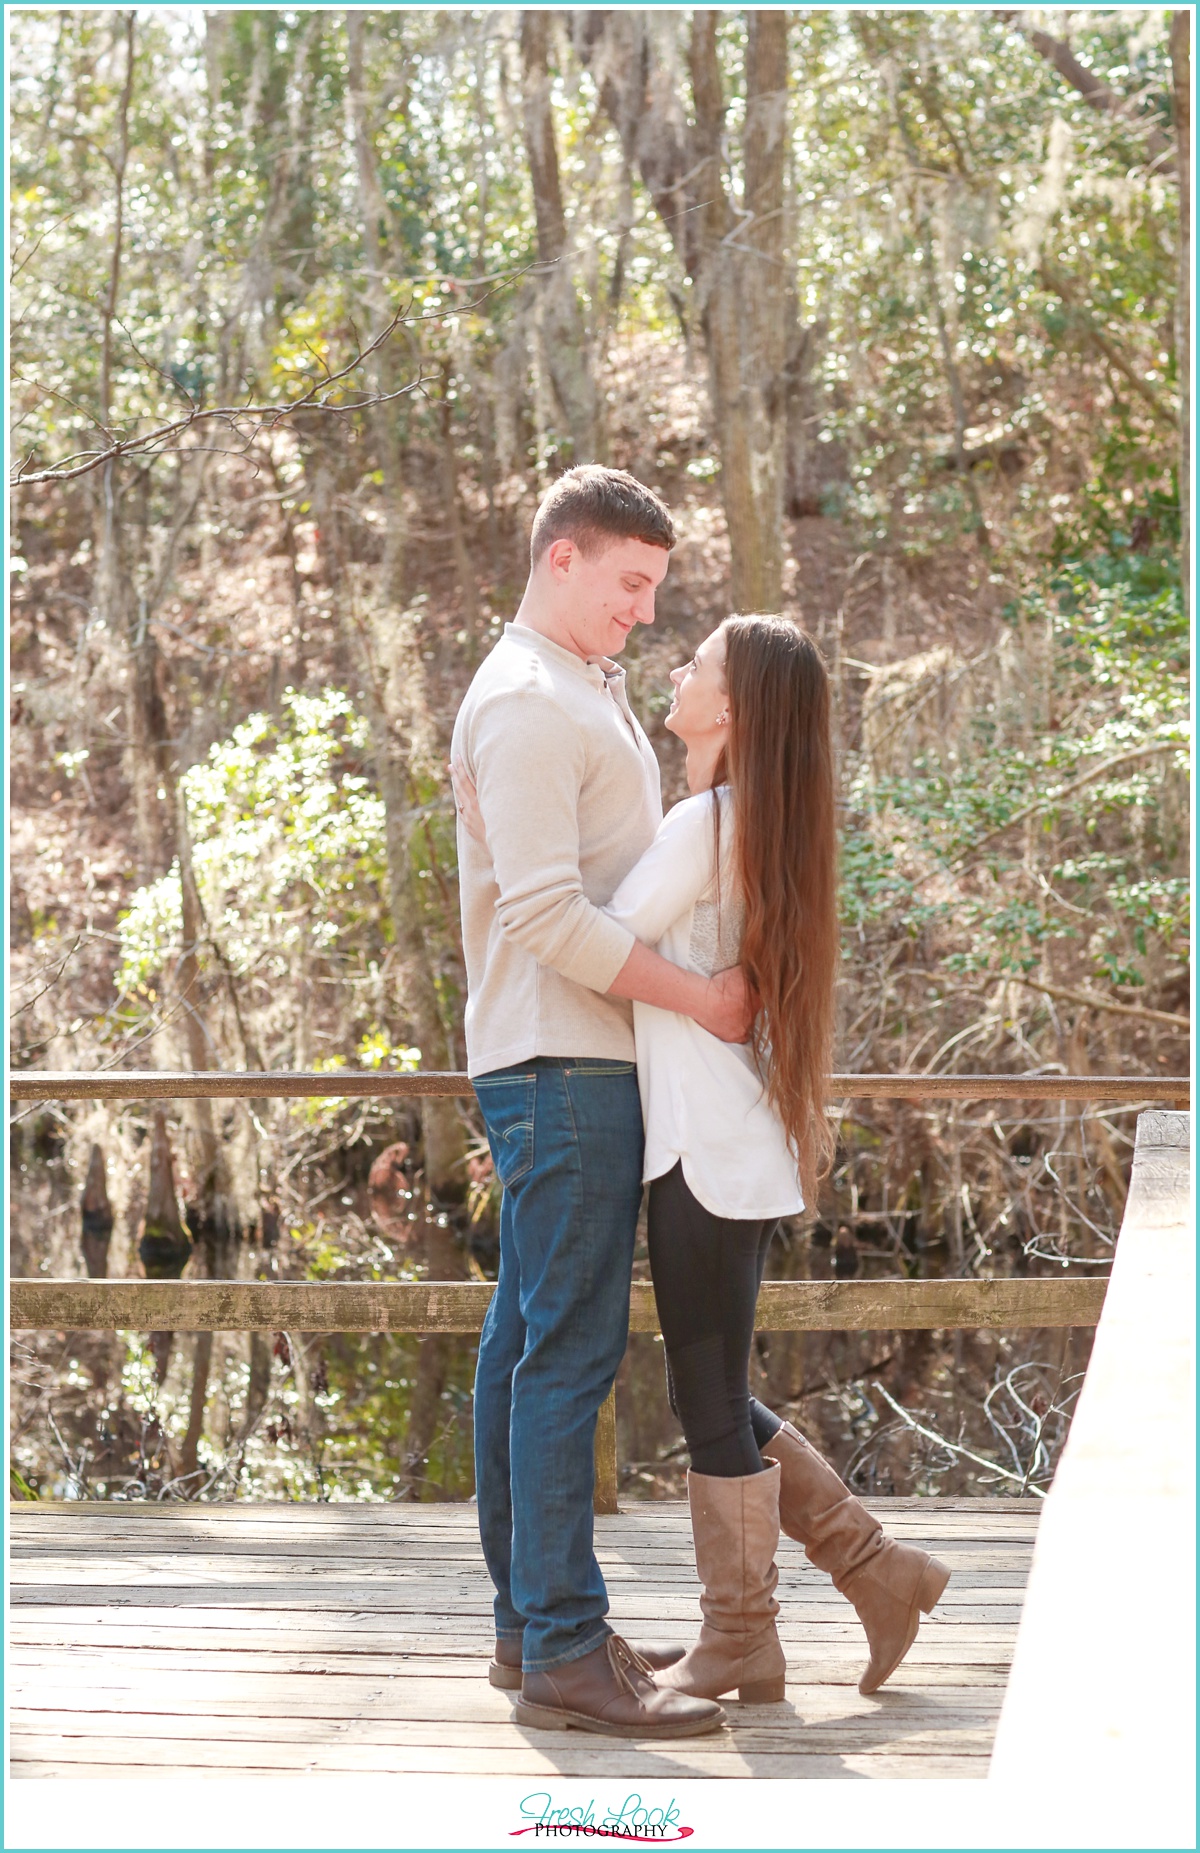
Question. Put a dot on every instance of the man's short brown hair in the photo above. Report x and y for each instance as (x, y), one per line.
(594, 506)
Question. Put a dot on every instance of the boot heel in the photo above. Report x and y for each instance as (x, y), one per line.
(932, 1585)
(763, 1691)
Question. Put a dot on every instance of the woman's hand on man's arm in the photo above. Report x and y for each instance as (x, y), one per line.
(466, 800)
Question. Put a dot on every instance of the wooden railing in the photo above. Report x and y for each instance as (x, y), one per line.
(460, 1306)
(340, 1084)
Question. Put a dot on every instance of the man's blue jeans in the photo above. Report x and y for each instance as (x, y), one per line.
(566, 1139)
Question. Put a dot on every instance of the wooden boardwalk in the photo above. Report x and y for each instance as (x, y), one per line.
(338, 1639)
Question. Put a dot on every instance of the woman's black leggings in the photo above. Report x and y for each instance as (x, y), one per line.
(707, 1272)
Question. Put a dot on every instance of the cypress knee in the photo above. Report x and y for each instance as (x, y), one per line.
(97, 1216)
(164, 1246)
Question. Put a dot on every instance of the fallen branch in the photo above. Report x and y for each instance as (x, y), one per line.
(1094, 1002)
(955, 1447)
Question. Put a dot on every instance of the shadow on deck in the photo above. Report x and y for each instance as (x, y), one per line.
(283, 1640)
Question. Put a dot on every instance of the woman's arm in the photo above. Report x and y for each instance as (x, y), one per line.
(672, 874)
(666, 882)
(663, 884)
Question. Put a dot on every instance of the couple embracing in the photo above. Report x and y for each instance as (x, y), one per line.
(650, 1001)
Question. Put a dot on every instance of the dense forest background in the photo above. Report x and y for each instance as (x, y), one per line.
(307, 309)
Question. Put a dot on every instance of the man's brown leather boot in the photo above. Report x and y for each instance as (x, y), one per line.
(891, 1585)
(611, 1691)
(505, 1670)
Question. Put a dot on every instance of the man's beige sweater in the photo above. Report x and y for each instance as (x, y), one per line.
(569, 789)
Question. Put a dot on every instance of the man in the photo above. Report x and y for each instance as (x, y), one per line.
(568, 786)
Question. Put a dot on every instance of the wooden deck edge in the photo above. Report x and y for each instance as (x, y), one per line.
(1104, 1663)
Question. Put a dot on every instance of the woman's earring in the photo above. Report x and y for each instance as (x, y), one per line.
(722, 719)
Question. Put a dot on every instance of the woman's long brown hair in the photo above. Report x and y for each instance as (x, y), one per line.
(779, 762)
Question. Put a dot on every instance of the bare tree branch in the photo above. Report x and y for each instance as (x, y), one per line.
(153, 441)
(1094, 91)
(318, 398)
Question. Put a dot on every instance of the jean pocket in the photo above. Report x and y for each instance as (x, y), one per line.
(507, 1106)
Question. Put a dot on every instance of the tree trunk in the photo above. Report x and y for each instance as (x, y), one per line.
(432, 1245)
(443, 1130)
(125, 615)
(373, 212)
(1181, 60)
(744, 286)
(212, 1210)
(732, 249)
(464, 571)
(259, 1386)
(563, 332)
(443, 1133)
(189, 1453)
(146, 728)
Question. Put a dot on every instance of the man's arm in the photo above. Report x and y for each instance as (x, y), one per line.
(529, 765)
(723, 1004)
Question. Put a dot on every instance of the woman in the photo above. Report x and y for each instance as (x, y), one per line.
(744, 872)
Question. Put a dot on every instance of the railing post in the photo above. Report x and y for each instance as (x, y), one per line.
(604, 1498)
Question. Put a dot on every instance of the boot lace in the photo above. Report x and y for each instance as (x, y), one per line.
(626, 1661)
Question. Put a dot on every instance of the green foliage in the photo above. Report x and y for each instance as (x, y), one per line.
(287, 847)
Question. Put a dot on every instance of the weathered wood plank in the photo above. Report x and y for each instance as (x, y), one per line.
(755, 1731)
(166, 1084)
(830, 1664)
(147, 1760)
(161, 1547)
(637, 1521)
(838, 1667)
(343, 1573)
(424, 1695)
(350, 1632)
(163, 1084)
(402, 1602)
(459, 1306)
(294, 1640)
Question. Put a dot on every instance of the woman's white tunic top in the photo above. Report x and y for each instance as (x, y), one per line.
(703, 1102)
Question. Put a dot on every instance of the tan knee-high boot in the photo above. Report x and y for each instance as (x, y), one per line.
(890, 1584)
(735, 1528)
